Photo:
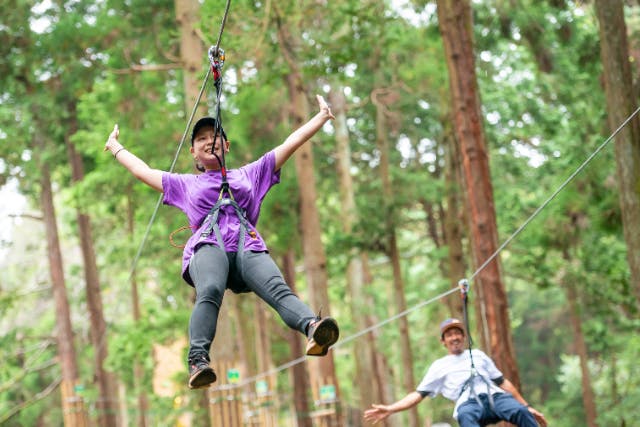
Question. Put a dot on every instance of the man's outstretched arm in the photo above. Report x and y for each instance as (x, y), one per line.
(381, 412)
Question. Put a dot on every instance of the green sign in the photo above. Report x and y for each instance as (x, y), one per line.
(233, 376)
(327, 392)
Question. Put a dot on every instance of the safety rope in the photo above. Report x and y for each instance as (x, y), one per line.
(463, 285)
(470, 382)
(174, 232)
(216, 58)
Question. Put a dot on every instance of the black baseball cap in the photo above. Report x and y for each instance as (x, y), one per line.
(204, 122)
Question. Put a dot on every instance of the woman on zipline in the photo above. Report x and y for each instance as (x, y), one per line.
(226, 250)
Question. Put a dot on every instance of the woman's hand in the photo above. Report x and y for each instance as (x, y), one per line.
(137, 167)
(303, 133)
(324, 107)
(112, 143)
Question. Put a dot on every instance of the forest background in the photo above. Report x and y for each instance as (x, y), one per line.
(371, 222)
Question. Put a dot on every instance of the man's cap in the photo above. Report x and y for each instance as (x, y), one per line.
(203, 122)
(450, 323)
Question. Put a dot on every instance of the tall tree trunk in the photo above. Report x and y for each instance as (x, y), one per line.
(453, 215)
(138, 372)
(615, 394)
(245, 332)
(400, 304)
(299, 376)
(264, 362)
(455, 22)
(73, 407)
(383, 374)
(614, 50)
(315, 261)
(447, 231)
(588, 398)
(107, 402)
(367, 383)
(191, 52)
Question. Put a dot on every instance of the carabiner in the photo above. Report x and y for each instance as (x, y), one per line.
(216, 57)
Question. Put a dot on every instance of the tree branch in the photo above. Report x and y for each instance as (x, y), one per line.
(136, 68)
(19, 407)
(36, 216)
(7, 385)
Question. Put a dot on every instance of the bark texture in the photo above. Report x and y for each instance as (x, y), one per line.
(455, 22)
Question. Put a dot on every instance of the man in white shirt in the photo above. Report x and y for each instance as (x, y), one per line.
(470, 379)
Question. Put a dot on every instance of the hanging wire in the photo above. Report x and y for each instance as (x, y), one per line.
(224, 21)
(339, 344)
(555, 193)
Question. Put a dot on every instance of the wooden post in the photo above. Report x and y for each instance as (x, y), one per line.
(325, 399)
(266, 403)
(225, 406)
(74, 414)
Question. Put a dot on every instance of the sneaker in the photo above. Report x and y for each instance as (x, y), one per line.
(321, 335)
(200, 373)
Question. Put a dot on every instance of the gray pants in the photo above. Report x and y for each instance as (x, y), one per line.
(213, 271)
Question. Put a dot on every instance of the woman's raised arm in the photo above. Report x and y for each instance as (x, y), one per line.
(137, 167)
(303, 133)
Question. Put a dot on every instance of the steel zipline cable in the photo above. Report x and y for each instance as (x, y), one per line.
(555, 193)
(340, 343)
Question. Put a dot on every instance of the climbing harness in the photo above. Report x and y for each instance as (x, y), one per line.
(212, 221)
(470, 382)
(216, 57)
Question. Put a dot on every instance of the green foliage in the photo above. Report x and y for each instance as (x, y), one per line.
(538, 68)
(133, 341)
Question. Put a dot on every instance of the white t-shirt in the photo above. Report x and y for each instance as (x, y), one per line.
(448, 375)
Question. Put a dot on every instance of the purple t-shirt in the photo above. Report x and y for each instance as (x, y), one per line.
(195, 195)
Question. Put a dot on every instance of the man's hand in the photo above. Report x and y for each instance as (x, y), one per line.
(377, 413)
(539, 416)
